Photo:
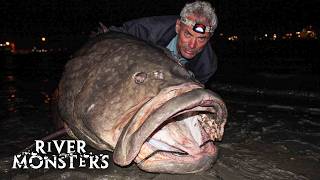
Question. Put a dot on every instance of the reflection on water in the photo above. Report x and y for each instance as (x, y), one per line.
(27, 82)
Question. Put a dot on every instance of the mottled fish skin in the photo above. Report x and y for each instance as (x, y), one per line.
(117, 92)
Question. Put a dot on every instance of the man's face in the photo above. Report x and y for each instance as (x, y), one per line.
(190, 43)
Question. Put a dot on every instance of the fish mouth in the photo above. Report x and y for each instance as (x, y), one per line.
(174, 131)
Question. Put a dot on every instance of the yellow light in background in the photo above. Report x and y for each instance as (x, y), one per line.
(233, 38)
(43, 39)
(7, 43)
(298, 34)
(274, 37)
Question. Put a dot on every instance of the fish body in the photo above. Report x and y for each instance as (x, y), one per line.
(125, 95)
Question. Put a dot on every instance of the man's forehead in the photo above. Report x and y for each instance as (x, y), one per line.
(198, 19)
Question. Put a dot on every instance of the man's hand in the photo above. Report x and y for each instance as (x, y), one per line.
(100, 30)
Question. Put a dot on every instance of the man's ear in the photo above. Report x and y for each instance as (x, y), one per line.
(178, 26)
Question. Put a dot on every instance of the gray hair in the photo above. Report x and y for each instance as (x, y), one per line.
(200, 8)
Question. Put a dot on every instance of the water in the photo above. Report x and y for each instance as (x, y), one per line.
(272, 131)
(27, 82)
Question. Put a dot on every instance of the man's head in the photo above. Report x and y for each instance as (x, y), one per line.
(194, 29)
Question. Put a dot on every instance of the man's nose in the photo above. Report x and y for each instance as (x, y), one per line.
(192, 43)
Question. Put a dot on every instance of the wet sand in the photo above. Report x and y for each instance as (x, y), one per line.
(262, 141)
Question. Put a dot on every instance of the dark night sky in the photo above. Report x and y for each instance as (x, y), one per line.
(60, 18)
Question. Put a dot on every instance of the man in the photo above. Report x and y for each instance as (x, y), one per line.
(186, 37)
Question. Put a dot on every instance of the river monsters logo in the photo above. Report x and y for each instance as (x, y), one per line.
(60, 154)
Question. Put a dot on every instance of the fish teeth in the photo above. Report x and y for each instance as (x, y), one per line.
(210, 126)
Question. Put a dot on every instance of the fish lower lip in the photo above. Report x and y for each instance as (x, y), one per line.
(183, 153)
(160, 160)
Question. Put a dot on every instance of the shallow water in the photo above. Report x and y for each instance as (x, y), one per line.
(271, 133)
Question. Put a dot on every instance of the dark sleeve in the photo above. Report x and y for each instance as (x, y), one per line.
(157, 29)
(205, 65)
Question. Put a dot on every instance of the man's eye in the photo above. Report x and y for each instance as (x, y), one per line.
(187, 34)
(201, 39)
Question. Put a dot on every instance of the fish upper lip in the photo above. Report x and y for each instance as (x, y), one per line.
(153, 103)
(130, 142)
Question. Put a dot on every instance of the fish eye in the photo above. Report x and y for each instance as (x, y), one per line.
(140, 77)
(158, 75)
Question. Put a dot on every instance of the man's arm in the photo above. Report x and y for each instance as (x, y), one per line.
(157, 29)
